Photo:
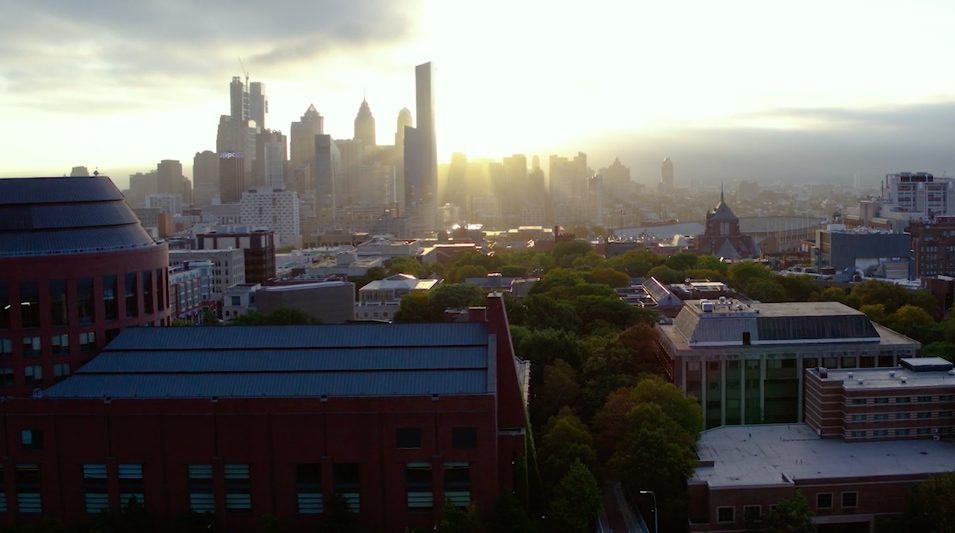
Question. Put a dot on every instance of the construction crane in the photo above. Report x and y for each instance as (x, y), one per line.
(246, 72)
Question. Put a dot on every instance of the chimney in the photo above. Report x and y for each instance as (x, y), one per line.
(477, 314)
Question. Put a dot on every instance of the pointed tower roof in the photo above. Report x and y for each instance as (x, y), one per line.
(722, 211)
(311, 109)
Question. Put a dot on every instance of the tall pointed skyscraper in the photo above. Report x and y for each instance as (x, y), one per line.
(302, 137)
(404, 121)
(421, 155)
(365, 125)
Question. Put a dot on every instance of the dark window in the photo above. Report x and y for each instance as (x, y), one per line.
(6, 377)
(201, 496)
(457, 484)
(32, 347)
(33, 375)
(463, 437)
(726, 515)
(882, 416)
(881, 433)
(88, 341)
(110, 303)
(30, 304)
(408, 437)
(824, 501)
(60, 344)
(61, 371)
(850, 499)
(6, 348)
(925, 415)
(84, 300)
(130, 484)
(31, 439)
(58, 307)
(903, 416)
(238, 490)
(160, 293)
(925, 399)
(924, 431)
(858, 401)
(347, 482)
(28, 489)
(752, 512)
(132, 309)
(95, 488)
(946, 398)
(418, 486)
(902, 432)
(746, 337)
(111, 334)
(4, 306)
(881, 400)
(149, 306)
(903, 400)
(308, 486)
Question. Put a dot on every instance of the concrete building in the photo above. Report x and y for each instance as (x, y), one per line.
(168, 177)
(744, 362)
(617, 180)
(205, 177)
(864, 249)
(381, 299)
(332, 302)
(271, 159)
(666, 176)
(257, 245)
(228, 266)
(232, 176)
(258, 103)
(239, 300)
(165, 202)
(346, 265)
(274, 209)
(76, 268)
(190, 291)
(302, 138)
(326, 167)
(378, 186)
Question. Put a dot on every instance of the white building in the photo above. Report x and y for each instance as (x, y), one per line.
(228, 266)
(274, 209)
(239, 300)
(165, 202)
(381, 299)
(190, 285)
(920, 192)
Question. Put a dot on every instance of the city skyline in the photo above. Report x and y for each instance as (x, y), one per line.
(733, 92)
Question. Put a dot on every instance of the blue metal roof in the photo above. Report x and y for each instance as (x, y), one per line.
(322, 336)
(15, 191)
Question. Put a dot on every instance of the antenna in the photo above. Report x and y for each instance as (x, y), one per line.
(246, 72)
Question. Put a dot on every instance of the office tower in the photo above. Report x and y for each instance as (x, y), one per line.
(258, 103)
(169, 176)
(231, 176)
(238, 100)
(515, 190)
(351, 153)
(617, 179)
(165, 202)
(205, 177)
(273, 209)
(404, 121)
(302, 134)
(325, 170)
(225, 134)
(562, 174)
(185, 190)
(456, 187)
(79, 172)
(595, 190)
(141, 184)
(666, 179)
(270, 169)
(378, 186)
(421, 157)
(365, 125)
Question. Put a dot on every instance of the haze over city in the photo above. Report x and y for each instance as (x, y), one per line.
(736, 90)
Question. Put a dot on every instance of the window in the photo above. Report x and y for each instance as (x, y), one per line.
(132, 308)
(824, 501)
(902, 432)
(945, 414)
(946, 398)
(925, 399)
(30, 304)
(858, 434)
(925, 415)
(903, 400)
(33, 375)
(110, 303)
(160, 294)
(457, 484)
(238, 490)
(463, 438)
(31, 439)
(28, 489)
(149, 306)
(61, 371)
(924, 431)
(3, 493)
(418, 486)
(84, 300)
(58, 307)
(130, 484)
(850, 499)
(347, 482)
(408, 438)
(32, 347)
(111, 334)
(4, 306)
(60, 344)
(201, 496)
(236, 300)
(881, 400)
(88, 341)
(6, 348)
(6, 377)
(772, 508)
(95, 488)
(858, 401)
(881, 416)
(880, 433)
(903, 416)
(726, 515)
(858, 418)
(308, 486)
(752, 512)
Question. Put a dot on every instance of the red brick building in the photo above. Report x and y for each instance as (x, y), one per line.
(246, 421)
(76, 268)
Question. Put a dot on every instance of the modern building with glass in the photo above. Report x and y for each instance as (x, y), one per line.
(745, 362)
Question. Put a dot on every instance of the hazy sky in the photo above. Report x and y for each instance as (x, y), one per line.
(725, 89)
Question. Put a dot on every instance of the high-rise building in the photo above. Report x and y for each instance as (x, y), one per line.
(238, 100)
(666, 179)
(617, 179)
(271, 151)
(205, 177)
(515, 191)
(165, 202)
(231, 176)
(169, 176)
(365, 125)
(303, 134)
(258, 103)
(325, 169)
(351, 152)
(404, 121)
(377, 186)
(141, 184)
(273, 209)
(421, 155)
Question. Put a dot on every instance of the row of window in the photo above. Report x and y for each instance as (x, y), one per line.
(901, 432)
(924, 415)
(903, 399)
(727, 515)
(59, 345)
(29, 299)
(462, 438)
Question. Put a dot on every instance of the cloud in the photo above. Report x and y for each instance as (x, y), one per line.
(64, 55)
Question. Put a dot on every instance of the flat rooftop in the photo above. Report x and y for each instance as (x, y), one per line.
(786, 309)
(781, 454)
(887, 378)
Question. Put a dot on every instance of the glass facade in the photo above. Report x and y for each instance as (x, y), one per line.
(805, 328)
(84, 300)
(110, 304)
(734, 392)
(132, 309)
(30, 304)
(58, 305)
(752, 391)
(148, 303)
(713, 410)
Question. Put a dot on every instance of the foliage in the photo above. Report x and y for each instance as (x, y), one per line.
(910, 315)
(508, 515)
(792, 516)
(469, 271)
(666, 275)
(930, 506)
(879, 292)
(564, 253)
(636, 263)
(456, 296)
(564, 439)
(406, 265)
(270, 524)
(559, 389)
(193, 522)
(416, 307)
(576, 500)
(543, 347)
(766, 290)
(180, 323)
(608, 277)
(280, 317)
(685, 411)
(742, 273)
(210, 318)
(457, 520)
(559, 277)
(682, 261)
(945, 350)
(338, 517)
(48, 525)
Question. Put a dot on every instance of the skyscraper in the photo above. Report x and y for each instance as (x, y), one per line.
(617, 179)
(303, 135)
(258, 103)
(351, 153)
(404, 120)
(421, 155)
(365, 125)
(325, 170)
(270, 169)
(205, 177)
(666, 179)
(169, 172)
(238, 100)
(231, 176)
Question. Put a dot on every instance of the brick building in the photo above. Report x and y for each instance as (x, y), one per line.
(245, 421)
(933, 244)
(258, 246)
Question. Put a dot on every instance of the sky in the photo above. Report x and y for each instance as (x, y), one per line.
(727, 90)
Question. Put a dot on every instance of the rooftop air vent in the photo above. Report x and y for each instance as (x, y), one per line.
(905, 379)
(891, 373)
(850, 375)
(861, 381)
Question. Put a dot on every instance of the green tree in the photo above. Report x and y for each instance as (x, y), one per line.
(832, 294)
(610, 422)
(406, 265)
(930, 506)
(564, 439)
(210, 317)
(589, 261)
(339, 517)
(742, 273)
(508, 515)
(636, 263)
(543, 312)
(456, 296)
(564, 253)
(926, 301)
(469, 271)
(577, 499)
(682, 261)
(792, 516)
(708, 262)
(459, 520)
(684, 410)
(945, 350)
(559, 277)
(798, 288)
(910, 315)
(543, 347)
(665, 275)
(270, 524)
(560, 388)
(766, 290)
(180, 323)
(890, 295)
(513, 271)
(608, 277)
(875, 313)
(416, 307)
(280, 317)
(193, 522)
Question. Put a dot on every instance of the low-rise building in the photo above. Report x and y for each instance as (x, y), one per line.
(257, 245)
(345, 264)
(381, 299)
(190, 290)
(239, 300)
(332, 302)
(228, 266)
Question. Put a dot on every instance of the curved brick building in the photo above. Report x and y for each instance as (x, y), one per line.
(76, 267)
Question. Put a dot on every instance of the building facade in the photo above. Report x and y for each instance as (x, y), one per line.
(228, 266)
(232, 176)
(722, 237)
(190, 291)
(332, 302)
(381, 299)
(275, 209)
(166, 203)
(76, 268)
(933, 244)
(257, 245)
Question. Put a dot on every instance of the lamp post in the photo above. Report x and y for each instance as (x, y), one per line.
(656, 524)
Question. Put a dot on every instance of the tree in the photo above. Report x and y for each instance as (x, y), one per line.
(469, 271)
(339, 517)
(832, 294)
(798, 288)
(930, 506)
(454, 519)
(910, 315)
(564, 253)
(559, 277)
(926, 301)
(560, 388)
(708, 262)
(743, 273)
(576, 500)
(543, 347)
(793, 516)
(193, 522)
(875, 312)
(544, 312)
(684, 410)
(416, 307)
(508, 515)
(610, 422)
(210, 317)
(682, 261)
(766, 290)
(270, 524)
(665, 275)
(134, 518)
(406, 265)
(608, 277)
(589, 261)
(280, 317)
(890, 295)
(455, 296)
(636, 263)
(564, 439)
(945, 350)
